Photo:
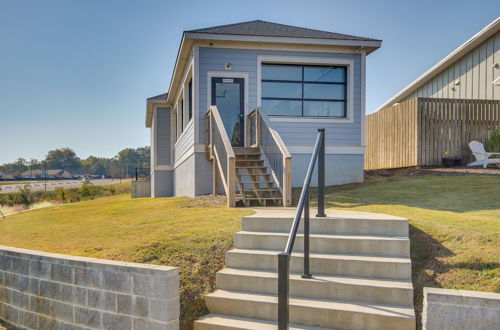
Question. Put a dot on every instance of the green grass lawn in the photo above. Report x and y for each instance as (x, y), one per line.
(454, 231)
(454, 225)
(191, 234)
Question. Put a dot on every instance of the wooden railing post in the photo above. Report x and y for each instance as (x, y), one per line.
(231, 182)
(257, 128)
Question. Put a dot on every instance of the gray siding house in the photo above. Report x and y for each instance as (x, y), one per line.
(472, 72)
(453, 103)
(240, 90)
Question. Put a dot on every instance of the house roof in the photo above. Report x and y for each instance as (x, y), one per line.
(42, 172)
(257, 32)
(263, 28)
(160, 97)
(445, 63)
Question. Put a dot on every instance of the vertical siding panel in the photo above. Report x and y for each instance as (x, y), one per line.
(475, 75)
(489, 69)
(469, 77)
(496, 59)
(482, 72)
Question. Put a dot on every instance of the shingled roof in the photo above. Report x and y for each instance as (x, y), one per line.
(269, 29)
(160, 97)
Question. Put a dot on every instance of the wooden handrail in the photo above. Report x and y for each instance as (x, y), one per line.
(285, 182)
(215, 124)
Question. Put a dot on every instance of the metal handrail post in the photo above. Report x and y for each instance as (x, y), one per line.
(321, 176)
(307, 273)
(283, 307)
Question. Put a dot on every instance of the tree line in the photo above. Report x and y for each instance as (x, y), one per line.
(125, 161)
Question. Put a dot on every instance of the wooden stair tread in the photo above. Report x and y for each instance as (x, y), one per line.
(239, 166)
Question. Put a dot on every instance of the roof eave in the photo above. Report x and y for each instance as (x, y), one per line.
(149, 110)
(369, 45)
(442, 65)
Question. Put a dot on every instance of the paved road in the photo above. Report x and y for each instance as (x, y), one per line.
(54, 184)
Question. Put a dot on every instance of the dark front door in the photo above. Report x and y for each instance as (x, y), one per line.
(227, 95)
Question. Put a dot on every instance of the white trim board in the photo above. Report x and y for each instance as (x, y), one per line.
(336, 150)
(284, 47)
(163, 168)
(184, 132)
(349, 63)
(285, 40)
(228, 74)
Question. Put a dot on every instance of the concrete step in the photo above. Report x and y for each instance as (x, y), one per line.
(352, 244)
(311, 311)
(351, 288)
(216, 321)
(320, 263)
(346, 223)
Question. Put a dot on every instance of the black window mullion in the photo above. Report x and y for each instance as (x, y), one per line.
(303, 82)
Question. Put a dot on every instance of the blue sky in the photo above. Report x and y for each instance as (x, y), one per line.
(77, 73)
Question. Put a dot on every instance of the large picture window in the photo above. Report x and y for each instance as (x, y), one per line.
(304, 90)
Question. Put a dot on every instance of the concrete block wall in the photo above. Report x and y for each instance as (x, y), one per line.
(460, 310)
(141, 189)
(51, 291)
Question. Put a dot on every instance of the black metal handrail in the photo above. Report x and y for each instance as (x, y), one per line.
(302, 208)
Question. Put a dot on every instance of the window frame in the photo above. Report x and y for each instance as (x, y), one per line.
(347, 62)
(304, 82)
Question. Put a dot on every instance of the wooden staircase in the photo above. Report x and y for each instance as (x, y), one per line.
(256, 185)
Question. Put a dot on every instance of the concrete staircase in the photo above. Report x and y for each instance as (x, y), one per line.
(361, 274)
(256, 186)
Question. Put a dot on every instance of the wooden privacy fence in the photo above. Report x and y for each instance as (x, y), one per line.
(419, 131)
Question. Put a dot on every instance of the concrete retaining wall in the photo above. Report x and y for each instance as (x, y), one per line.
(459, 309)
(141, 189)
(51, 291)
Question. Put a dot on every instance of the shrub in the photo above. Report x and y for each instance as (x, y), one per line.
(493, 144)
(24, 196)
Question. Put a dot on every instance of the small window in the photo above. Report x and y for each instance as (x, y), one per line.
(174, 121)
(190, 99)
(304, 90)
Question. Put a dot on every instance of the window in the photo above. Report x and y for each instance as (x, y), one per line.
(174, 126)
(180, 116)
(304, 90)
(190, 99)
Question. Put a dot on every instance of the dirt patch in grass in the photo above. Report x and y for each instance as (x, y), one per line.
(190, 233)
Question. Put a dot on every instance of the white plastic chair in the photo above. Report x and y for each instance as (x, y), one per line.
(482, 157)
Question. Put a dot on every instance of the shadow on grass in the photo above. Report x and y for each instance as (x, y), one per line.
(424, 251)
(426, 257)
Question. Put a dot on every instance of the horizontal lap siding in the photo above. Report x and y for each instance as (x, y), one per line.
(245, 60)
(185, 142)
